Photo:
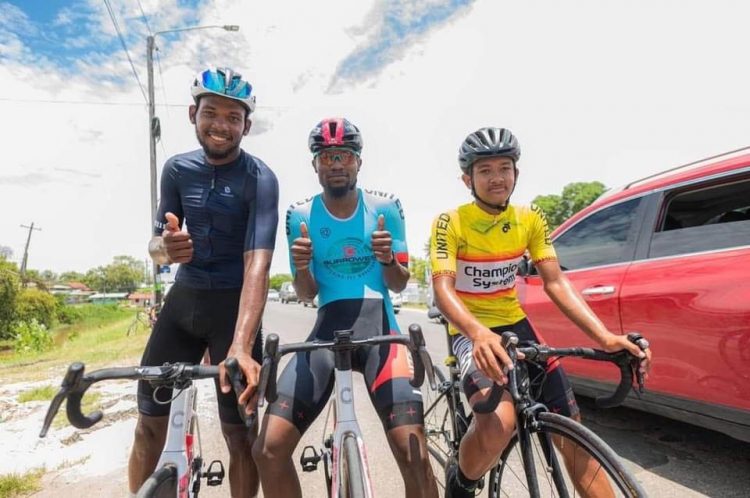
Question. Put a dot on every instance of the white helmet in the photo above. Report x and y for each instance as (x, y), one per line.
(225, 83)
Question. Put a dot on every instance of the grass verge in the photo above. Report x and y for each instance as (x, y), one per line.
(99, 339)
(13, 485)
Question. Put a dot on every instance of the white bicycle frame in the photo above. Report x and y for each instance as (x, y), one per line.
(178, 450)
(345, 424)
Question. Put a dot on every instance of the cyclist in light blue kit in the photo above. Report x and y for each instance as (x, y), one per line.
(347, 245)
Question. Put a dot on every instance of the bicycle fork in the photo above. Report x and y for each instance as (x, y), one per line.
(182, 431)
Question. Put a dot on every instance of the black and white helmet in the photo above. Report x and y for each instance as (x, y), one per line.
(487, 142)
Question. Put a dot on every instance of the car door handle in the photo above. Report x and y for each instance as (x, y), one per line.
(599, 290)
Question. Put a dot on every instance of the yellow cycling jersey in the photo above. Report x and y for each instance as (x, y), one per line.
(482, 252)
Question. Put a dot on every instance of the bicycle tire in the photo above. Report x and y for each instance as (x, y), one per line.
(509, 477)
(440, 426)
(352, 474)
(161, 484)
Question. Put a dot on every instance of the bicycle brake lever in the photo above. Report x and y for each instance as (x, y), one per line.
(239, 385)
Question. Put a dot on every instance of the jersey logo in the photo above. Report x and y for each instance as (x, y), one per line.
(486, 277)
(325, 232)
(349, 258)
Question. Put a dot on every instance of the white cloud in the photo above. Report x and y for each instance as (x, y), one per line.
(607, 92)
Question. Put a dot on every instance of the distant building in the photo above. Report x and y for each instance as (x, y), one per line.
(143, 299)
(108, 298)
(74, 292)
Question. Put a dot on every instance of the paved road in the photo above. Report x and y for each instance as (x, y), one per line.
(671, 459)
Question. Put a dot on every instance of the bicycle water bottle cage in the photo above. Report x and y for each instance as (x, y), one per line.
(214, 477)
(309, 463)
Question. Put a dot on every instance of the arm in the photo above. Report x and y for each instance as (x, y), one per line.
(396, 275)
(168, 245)
(252, 299)
(300, 255)
(574, 306)
(389, 246)
(260, 240)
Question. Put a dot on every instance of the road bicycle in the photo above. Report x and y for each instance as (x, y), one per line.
(181, 468)
(140, 321)
(343, 452)
(548, 452)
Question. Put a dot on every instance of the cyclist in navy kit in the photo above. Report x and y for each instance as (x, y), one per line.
(347, 245)
(217, 217)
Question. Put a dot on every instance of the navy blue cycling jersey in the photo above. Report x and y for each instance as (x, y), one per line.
(228, 210)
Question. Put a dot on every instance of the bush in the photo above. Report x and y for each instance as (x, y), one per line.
(35, 304)
(66, 314)
(31, 337)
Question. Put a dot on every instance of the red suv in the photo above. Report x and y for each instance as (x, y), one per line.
(668, 256)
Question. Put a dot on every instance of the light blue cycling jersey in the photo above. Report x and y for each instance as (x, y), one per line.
(343, 263)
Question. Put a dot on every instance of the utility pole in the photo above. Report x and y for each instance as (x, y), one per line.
(153, 134)
(26, 251)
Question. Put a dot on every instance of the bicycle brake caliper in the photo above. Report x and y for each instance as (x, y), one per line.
(214, 477)
(308, 462)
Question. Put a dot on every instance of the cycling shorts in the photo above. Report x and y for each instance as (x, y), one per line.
(191, 321)
(549, 384)
(307, 381)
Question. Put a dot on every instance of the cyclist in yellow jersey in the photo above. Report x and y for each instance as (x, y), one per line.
(475, 251)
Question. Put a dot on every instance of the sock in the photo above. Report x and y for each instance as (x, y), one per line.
(465, 482)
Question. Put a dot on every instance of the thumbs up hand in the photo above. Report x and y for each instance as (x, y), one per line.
(177, 244)
(302, 249)
(382, 243)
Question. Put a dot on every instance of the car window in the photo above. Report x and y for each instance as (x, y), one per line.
(603, 238)
(704, 218)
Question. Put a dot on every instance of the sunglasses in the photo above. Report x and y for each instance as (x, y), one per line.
(228, 83)
(328, 157)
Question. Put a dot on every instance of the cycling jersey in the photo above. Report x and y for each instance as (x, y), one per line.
(482, 251)
(352, 294)
(228, 209)
(343, 262)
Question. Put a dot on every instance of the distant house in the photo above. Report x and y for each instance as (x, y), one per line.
(74, 292)
(108, 298)
(141, 298)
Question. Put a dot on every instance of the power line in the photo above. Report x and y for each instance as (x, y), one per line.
(125, 47)
(145, 20)
(91, 102)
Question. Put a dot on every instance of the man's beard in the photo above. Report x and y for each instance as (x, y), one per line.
(216, 154)
(339, 192)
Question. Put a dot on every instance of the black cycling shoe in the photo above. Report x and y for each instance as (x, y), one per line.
(453, 488)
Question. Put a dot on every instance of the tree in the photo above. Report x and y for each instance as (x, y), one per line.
(418, 269)
(36, 304)
(10, 284)
(278, 279)
(575, 196)
(6, 252)
(70, 276)
(124, 274)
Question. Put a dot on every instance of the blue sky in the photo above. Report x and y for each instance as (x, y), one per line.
(63, 33)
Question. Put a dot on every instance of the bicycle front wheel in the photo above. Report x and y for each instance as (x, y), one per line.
(161, 484)
(352, 474)
(569, 460)
(439, 426)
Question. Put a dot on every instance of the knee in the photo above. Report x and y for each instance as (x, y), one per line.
(267, 452)
(410, 451)
(150, 433)
(239, 439)
(495, 432)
